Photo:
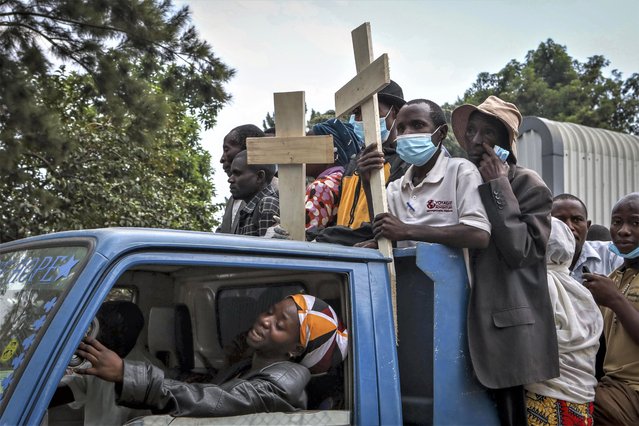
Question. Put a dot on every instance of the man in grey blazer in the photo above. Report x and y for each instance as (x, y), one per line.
(511, 330)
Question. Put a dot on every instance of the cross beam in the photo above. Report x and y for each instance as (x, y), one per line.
(291, 150)
(361, 91)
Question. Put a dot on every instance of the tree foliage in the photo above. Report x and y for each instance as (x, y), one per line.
(113, 141)
(107, 40)
(551, 84)
(106, 180)
(269, 121)
(316, 117)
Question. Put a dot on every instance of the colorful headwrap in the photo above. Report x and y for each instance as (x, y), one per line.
(346, 144)
(321, 333)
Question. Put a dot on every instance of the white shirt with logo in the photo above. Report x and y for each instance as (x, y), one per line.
(448, 195)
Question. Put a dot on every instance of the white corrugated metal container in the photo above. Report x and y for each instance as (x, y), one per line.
(598, 166)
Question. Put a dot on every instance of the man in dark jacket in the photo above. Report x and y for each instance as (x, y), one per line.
(511, 330)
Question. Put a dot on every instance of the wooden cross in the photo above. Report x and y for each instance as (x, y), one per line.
(361, 91)
(291, 150)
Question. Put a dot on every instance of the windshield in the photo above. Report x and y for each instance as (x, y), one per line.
(31, 285)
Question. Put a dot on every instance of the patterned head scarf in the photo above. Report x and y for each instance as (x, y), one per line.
(346, 144)
(321, 334)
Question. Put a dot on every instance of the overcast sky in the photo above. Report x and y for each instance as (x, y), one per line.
(436, 48)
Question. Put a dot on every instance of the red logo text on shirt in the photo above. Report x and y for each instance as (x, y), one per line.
(439, 206)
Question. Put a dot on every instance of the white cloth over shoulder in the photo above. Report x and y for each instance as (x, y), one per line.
(578, 321)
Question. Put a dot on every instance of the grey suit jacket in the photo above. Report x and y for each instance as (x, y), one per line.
(228, 225)
(511, 330)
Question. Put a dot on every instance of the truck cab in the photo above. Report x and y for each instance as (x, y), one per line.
(199, 291)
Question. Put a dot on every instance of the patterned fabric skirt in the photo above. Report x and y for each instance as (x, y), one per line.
(544, 410)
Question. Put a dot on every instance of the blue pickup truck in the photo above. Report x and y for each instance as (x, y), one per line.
(198, 291)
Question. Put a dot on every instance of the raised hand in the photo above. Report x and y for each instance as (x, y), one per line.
(370, 160)
(603, 289)
(490, 166)
(105, 363)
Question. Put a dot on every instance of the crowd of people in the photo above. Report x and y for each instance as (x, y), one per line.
(553, 315)
(553, 312)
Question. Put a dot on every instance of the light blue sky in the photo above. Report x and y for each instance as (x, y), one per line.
(436, 48)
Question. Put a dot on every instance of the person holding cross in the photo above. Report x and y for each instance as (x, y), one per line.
(437, 199)
(252, 184)
(353, 207)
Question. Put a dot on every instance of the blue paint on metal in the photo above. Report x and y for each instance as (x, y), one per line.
(29, 400)
(112, 242)
(458, 397)
(377, 398)
(47, 364)
(390, 402)
(364, 358)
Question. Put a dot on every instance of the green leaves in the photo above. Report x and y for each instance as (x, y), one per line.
(551, 84)
(114, 141)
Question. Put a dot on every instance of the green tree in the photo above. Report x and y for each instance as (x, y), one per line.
(269, 121)
(143, 77)
(105, 40)
(106, 180)
(551, 84)
(316, 117)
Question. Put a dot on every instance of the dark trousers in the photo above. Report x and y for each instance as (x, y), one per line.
(511, 406)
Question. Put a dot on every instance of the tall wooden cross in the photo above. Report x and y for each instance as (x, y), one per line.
(291, 150)
(361, 91)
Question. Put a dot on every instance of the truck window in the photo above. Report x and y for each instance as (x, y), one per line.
(237, 308)
(194, 312)
(32, 286)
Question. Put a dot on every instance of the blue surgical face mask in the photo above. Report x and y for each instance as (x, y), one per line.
(632, 255)
(358, 127)
(416, 148)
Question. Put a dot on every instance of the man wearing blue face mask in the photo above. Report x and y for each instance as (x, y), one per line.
(617, 395)
(437, 199)
(390, 100)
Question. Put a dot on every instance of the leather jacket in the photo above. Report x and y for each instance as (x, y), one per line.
(278, 387)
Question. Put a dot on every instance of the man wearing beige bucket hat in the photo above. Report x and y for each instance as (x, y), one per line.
(511, 331)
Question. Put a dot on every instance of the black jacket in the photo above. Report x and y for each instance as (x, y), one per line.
(276, 388)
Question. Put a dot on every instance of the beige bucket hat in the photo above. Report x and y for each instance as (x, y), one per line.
(503, 111)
